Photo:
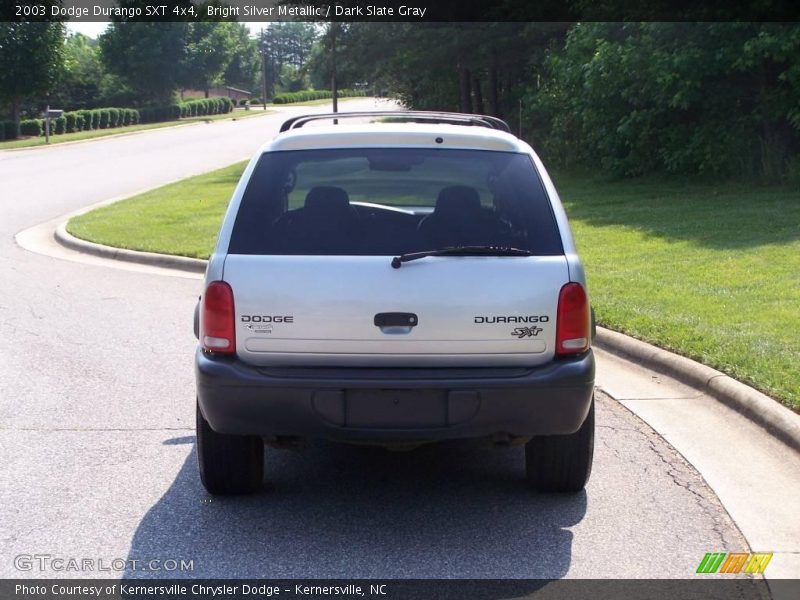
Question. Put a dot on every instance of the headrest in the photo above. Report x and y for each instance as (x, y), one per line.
(457, 200)
(327, 198)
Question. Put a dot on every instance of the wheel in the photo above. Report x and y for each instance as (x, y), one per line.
(561, 463)
(229, 464)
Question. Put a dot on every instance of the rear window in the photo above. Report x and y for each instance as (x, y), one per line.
(378, 201)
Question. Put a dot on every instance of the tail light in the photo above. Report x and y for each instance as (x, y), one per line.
(217, 325)
(573, 328)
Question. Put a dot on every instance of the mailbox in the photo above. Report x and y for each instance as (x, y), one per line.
(50, 113)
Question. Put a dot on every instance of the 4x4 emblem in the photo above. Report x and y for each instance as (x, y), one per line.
(523, 332)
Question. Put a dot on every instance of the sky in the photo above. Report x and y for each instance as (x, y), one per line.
(93, 29)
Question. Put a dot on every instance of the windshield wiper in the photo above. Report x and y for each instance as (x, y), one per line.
(398, 261)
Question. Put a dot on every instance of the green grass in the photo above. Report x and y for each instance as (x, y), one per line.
(709, 271)
(99, 133)
(179, 218)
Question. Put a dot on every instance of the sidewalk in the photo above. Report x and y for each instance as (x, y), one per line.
(755, 476)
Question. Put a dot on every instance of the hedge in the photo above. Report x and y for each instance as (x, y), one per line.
(34, 127)
(199, 107)
(73, 122)
(206, 106)
(107, 118)
(308, 95)
(87, 123)
(58, 125)
(9, 130)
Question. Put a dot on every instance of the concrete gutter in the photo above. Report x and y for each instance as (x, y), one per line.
(181, 263)
(759, 408)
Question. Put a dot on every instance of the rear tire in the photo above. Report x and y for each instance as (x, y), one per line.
(229, 464)
(561, 463)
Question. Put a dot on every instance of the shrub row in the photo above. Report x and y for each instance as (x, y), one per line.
(34, 127)
(81, 120)
(99, 118)
(107, 118)
(190, 108)
(206, 106)
(308, 95)
(8, 130)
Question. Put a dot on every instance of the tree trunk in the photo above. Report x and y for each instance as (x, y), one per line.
(15, 103)
(478, 96)
(494, 106)
(465, 97)
(206, 92)
(334, 83)
(774, 145)
(15, 109)
(774, 152)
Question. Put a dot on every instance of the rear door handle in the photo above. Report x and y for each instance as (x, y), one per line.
(396, 323)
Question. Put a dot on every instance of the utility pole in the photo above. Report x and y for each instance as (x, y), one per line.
(334, 89)
(47, 124)
(263, 70)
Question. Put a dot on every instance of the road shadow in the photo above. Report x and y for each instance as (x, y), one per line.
(454, 510)
(717, 216)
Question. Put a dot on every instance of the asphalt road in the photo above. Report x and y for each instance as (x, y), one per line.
(97, 437)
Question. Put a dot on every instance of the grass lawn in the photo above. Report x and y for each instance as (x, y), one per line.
(98, 133)
(179, 218)
(709, 271)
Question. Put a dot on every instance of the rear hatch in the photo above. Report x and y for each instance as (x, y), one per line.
(310, 259)
(358, 311)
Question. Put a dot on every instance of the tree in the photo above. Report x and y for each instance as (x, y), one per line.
(483, 67)
(209, 51)
(147, 57)
(245, 65)
(282, 45)
(80, 81)
(713, 98)
(31, 56)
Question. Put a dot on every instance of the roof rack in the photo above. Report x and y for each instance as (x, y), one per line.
(410, 115)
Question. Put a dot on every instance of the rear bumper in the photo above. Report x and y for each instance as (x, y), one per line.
(400, 404)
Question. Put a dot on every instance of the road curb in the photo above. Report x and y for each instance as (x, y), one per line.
(759, 408)
(181, 263)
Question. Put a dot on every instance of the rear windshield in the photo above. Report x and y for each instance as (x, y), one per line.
(378, 201)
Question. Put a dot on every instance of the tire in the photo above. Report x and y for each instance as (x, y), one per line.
(561, 463)
(229, 464)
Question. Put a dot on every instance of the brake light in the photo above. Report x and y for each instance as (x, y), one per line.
(217, 325)
(573, 328)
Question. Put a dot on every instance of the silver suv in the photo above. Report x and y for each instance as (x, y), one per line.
(406, 278)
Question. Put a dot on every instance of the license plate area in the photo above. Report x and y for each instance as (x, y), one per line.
(396, 409)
